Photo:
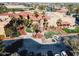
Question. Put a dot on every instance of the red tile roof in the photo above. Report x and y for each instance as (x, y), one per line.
(24, 14)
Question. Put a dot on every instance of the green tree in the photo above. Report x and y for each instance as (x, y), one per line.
(41, 7)
(77, 9)
(70, 8)
(3, 9)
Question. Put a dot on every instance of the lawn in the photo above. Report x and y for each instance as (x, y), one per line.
(50, 34)
(76, 30)
(29, 30)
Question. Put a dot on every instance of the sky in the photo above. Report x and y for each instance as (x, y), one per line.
(54, 1)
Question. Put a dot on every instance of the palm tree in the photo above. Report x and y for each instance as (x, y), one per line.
(77, 9)
(70, 8)
(43, 13)
(41, 7)
(36, 14)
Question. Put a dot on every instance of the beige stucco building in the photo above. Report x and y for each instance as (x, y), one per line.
(61, 14)
(5, 21)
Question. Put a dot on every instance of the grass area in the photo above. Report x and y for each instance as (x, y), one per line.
(29, 30)
(50, 34)
(76, 30)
